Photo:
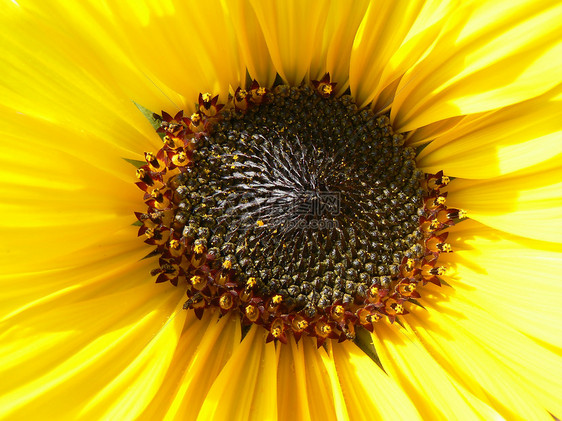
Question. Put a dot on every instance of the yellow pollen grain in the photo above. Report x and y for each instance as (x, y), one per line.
(441, 270)
(198, 282)
(375, 317)
(445, 180)
(199, 248)
(226, 301)
(277, 299)
(338, 311)
(168, 140)
(301, 325)
(206, 97)
(445, 247)
(241, 95)
(440, 200)
(251, 312)
(261, 91)
(141, 173)
(251, 282)
(397, 308)
(222, 279)
(227, 264)
(325, 329)
(326, 89)
(260, 223)
(175, 244)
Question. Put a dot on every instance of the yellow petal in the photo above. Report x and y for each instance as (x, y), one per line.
(286, 26)
(426, 134)
(527, 202)
(240, 376)
(321, 401)
(391, 38)
(471, 365)
(500, 142)
(368, 391)
(52, 198)
(264, 401)
(37, 285)
(490, 55)
(409, 364)
(126, 395)
(202, 352)
(343, 19)
(182, 47)
(510, 277)
(494, 353)
(254, 55)
(86, 350)
(340, 405)
(292, 394)
(85, 83)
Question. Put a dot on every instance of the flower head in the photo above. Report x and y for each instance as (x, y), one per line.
(304, 199)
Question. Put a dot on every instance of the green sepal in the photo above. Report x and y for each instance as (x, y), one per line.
(444, 282)
(249, 80)
(245, 330)
(416, 302)
(154, 119)
(153, 253)
(135, 162)
(364, 341)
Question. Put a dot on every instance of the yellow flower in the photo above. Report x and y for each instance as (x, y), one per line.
(87, 334)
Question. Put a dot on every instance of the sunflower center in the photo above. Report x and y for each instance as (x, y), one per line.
(294, 208)
(305, 199)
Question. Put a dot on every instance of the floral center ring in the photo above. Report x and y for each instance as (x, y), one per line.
(294, 208)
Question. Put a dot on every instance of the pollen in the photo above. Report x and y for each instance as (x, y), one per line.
(198, 282)
(198, 248)
(195, 118)
(226, 302)
(252, 313)
(441, 270)
(295, 209)
(299, 324)
(337, 312)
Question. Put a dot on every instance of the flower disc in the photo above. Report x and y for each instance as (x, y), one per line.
(295, 208)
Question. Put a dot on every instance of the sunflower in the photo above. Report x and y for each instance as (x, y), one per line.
(465, 89)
